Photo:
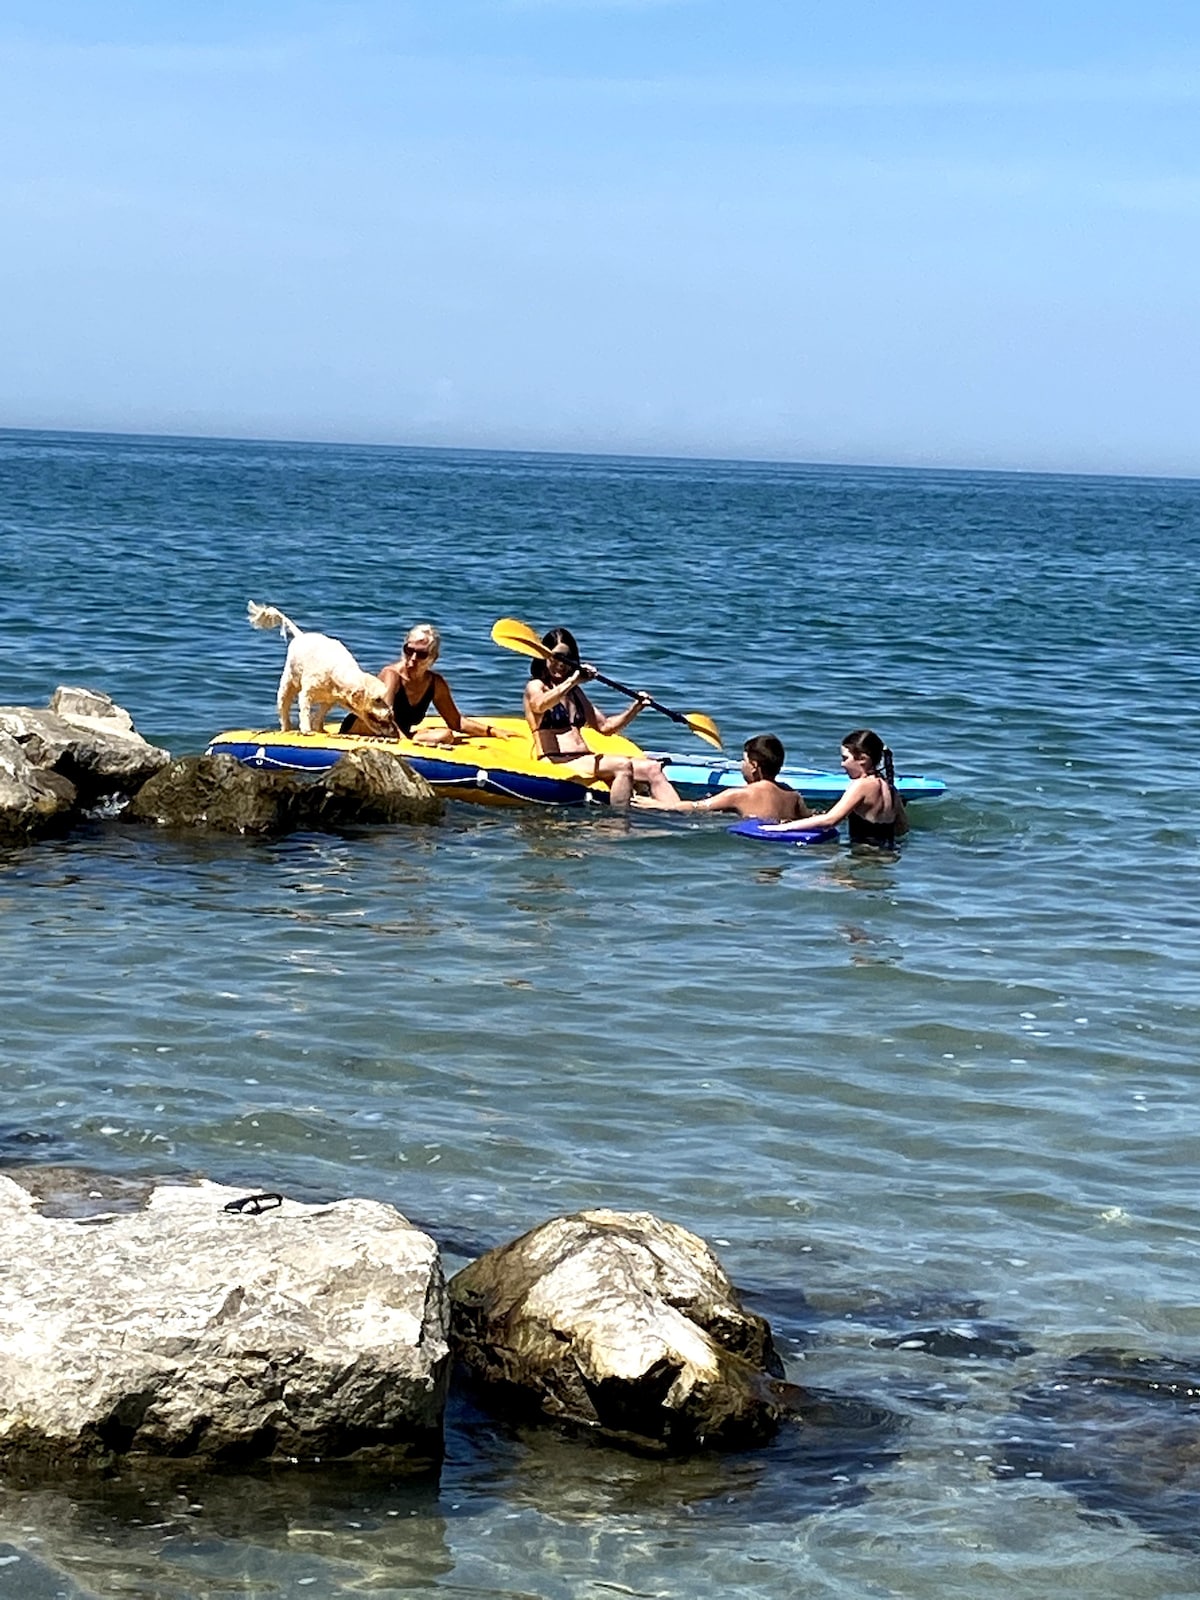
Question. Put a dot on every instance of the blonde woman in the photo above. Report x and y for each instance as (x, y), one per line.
(413, 686)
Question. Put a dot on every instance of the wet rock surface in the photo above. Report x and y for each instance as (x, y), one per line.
(619, 1323)
(66, 1191)
(218, 792)
(371, 785)
(33, 802)
(978, 1341)
(82, 753)
(184, 1328)
(83, 739)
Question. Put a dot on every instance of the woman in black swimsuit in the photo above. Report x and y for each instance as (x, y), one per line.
(873, 811)
(557, 711)
(413, 686)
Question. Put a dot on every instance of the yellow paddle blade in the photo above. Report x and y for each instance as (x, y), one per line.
(519, 636)
(703, 727)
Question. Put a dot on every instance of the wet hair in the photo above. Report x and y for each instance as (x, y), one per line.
(427, 632)
(868, 746)
(554, 640)
(767, 753)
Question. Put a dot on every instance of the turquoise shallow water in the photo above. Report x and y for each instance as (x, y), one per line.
(955, 1089)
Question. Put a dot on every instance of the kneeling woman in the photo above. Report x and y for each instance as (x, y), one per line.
(873, 811)
(557, 710)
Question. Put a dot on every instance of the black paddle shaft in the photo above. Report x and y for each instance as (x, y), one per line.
(634, 694)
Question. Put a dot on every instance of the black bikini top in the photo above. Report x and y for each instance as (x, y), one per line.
(569, 712)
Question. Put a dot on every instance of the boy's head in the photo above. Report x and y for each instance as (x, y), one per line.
(767, 754)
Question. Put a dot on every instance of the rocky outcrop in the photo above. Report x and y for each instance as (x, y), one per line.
(86, 738)
(218, 792)
(620, 1323)
(59, 761)
(185, 1329)
(32, 802)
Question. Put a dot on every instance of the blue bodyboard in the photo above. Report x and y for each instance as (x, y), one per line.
(751, 828)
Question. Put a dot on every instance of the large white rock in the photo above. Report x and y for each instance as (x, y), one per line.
(91, 707)
(32, 801)
(183, 1329)
(85, 737)
(622, 1323)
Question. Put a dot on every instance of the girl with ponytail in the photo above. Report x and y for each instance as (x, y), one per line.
(873, 811)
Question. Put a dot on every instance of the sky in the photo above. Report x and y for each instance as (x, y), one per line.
(963, 234)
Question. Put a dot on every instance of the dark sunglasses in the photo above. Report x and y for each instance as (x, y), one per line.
(417, 652)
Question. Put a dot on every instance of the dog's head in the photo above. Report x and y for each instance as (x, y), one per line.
(371, 704)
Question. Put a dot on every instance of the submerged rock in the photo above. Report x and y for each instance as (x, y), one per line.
(219, 792)
(621, 1323)
(185, 1329)
(1122, 1432)
(979, 1341)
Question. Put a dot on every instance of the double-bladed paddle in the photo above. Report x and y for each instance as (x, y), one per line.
(519, 636)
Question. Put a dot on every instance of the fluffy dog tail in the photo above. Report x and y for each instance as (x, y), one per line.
(268, 617)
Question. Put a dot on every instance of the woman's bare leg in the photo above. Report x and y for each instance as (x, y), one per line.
(618, 773)
(651, 773)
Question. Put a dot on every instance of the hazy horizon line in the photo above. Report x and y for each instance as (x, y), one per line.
(602, 455)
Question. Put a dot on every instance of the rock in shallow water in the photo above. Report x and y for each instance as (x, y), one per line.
(219, 793)
(87, 738)
(183, 1329)
(621, 1323)
(32, 801)
(58, 761)
(1122, 1431)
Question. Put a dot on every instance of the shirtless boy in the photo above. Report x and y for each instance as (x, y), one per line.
(762, 797)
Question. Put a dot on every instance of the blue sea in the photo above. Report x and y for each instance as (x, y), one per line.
(937, 1113)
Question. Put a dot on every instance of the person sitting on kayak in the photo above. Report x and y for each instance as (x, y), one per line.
(557, 710)
(872, 808)
(762, 798)
(413, 686)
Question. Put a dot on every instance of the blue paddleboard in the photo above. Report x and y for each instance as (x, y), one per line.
(751, 828)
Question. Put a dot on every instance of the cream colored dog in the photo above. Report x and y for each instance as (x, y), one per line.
(322, 673)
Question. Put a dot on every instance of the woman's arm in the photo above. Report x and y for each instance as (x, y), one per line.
(539, 696)
(825, 819)
(622, 719)
(390, 679)
(443, 701)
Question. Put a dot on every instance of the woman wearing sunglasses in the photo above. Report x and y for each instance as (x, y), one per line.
(557, 710)
(413, 686)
